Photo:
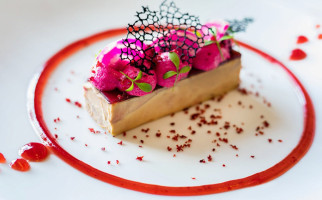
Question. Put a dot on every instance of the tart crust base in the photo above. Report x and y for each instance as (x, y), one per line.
(128, 114)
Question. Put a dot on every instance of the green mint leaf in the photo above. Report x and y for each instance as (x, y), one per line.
(226, 37)
(139, 76)
(219, 48)
(175, 59)
(127, 76)
(145, 87)
(208, 42)
(130, 88)
(184, 69)
(169, 74)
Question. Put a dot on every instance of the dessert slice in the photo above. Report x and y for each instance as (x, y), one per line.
(116, 113)
(170, 64)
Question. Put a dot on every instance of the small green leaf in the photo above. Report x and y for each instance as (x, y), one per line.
(175, 59)
(184, 69)
(169, 74)
(139, 76)
(130, 88)
(145, 87)
(126, 76)
(226, 37)
(198, 34)
(208, 42)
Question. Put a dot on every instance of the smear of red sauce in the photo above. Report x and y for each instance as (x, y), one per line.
(20, 164)
(261, 177)
(34, 151)
(297, 54)
(2, 158)
(302, 39)
(320, 36)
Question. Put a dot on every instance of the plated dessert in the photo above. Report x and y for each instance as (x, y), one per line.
(159, 69)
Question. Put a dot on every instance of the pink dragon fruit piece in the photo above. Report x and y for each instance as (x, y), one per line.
(106, 72)
(164, 65)
(132, 73)
(208, 57)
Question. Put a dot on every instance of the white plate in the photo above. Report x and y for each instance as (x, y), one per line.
(285, 117)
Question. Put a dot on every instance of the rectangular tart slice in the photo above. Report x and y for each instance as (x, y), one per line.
(117, 117)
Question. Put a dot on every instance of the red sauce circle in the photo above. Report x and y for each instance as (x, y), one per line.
(36, 115)
(20, 164)
(297, 54)
(34, 151)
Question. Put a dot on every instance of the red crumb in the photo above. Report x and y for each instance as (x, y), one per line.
(124, 134)
(78, 104)
(103, 148)
(280, 140)
(120, 143)
(320, 36)
(72, 138)
(270, 140)
(194, 116)
(108, 162)
(209, 158)
(142, 141)
(227, 125)
(139, 158)
(298, 54)
(213, 149)
(158, 134)
(57, 120)
(317, 26)
(140, 146)
(68, 100)
(134, 136)
(172, 123)
(2, 158)
(86, 145)
(145, 130)
(172, 131)
(234, 147)
(223, 165)
(169, 148)
(239, 130)
(237, 155)
(252, 156)
(193, 178)
(202, 161)
(301, 39)
(56, 136)
(117, 161)
(174, 155)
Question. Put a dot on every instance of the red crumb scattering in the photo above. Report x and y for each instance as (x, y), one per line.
(237, 155)
(140, 146)
(147, 135)
(91, 130)
(117, 161)
(317, 26)
(209, 158)
(134, 137)
(252, 156)
(270, 140)
(142, 141)
(242, 91)
(172, 131)
(68, 100)
(280, 140)
(145, 130)
(320, 36)
(174, 155)
(172, 114)
(77, 116)
(239, 130)
(56, 136)
(56, 89)
(20, 164)
(78, 104)
(213, 149)
(298, 54)
(108, 162)
(193, 132)
(234, 147)
(120, 143)
(194, 116)
(158, 134)
(193, 178)
(202, 161)
(227, 125)
(172, 123)
(103, 148)
(72, 138)
(86, 145)
(189, 128)
(169, 148)
(124, 134)
(139, 158)
(57, 120)
(301, 39)
(209, 131)
(223, 165)
(2, 158)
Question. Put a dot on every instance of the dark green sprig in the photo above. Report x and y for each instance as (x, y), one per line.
(176, 61)
(145, 87)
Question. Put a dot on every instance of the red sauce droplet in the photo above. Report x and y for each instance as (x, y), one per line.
(20, 164)
(2, 158)
(297, 54)
(320, 36)
(34, 151)
(302, 39)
